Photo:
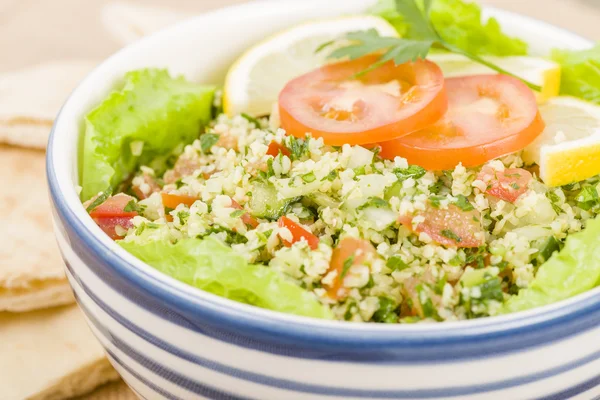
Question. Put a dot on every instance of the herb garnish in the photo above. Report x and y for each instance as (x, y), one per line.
(347, 264)
(237, 213)
(102, 197)
(450, 235)
(207, 141)
(134, 206)
(251, 119)
(400, 50)
(463, 203)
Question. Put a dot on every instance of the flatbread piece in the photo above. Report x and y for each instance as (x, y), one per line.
(50, 355)
(31, 268)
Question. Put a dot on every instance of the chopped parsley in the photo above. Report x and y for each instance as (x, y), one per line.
(413, 171)
(386, 313)
(298, 147)
(463, 203)
(331, 176)
(435, 201)
(237, 213)
(555, 200)
(515, 186)
(448, 233)
(395, 263)
(251, 119)
(346, 267)
(376, 202)
(102, 197)
(588, 198)
(134, 206)
(183, 216)
(207, 141)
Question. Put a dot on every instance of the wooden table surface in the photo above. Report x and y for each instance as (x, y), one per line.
(34, 31)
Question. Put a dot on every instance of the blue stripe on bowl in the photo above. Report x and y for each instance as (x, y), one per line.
(404, 347)
(299, 386)
(117, 361)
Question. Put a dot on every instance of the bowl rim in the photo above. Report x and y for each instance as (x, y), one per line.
(254, 320)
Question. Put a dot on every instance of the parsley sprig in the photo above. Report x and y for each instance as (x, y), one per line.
(400, 50)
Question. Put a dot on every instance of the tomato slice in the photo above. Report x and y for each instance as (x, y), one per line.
(114, 207)
(247, 219)
(275, 148)
(348, 247)
(298, 233)
(386, 103)
(173, 200)
(450, 227)
(488, 116)
(507, 185)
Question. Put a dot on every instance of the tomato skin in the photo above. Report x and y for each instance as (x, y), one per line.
(507, 185)
(152, 184)
(276, 148)
(441, 224)
(347, 247)
(109, 225)
(247, 219)
(113, 207)
(173, 200)
(469, 133)
(306, 104)
(298, 233)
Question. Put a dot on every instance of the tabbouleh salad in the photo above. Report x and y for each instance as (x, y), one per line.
(299, 223)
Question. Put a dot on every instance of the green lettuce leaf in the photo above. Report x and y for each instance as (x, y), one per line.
(573, 270)
(213, 267)
(155, 112)
(460, 24)
(580, 75)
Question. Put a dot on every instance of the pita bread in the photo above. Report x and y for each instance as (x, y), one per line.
(130, 22)
(31, 268)
(50, 354)
(31, 98)
(113, 391)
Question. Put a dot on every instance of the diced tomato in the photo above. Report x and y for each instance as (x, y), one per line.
(414, 308)
(227, 141)
(488, 116)
(385, 103)
(275, 148)
(355, 250)
(114, 207)
(109, 225)
(450, 227)
(184, 166)
(173, 200)
(298, 233)
(111, 214)
(507, 185)
(247, 219)
(152, 185)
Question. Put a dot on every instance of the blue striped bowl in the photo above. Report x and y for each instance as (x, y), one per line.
(171, 341)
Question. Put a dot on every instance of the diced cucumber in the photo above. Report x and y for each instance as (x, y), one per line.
(264, 202)
(323, 200)
(393, 191)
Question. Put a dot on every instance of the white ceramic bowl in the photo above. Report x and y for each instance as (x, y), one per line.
(172, 341)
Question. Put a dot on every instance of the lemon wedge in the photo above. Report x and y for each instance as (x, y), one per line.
(539, 71)
(254, 81)
(569, 148)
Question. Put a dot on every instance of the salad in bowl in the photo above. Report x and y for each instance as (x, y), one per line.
(391, 168)
(344, 199)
